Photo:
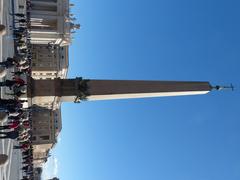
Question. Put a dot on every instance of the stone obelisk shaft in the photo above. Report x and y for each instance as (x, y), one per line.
(122, 89)
(73, 90)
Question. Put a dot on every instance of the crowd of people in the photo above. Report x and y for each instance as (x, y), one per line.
(18, 124)
(19, 120)
(13, 105)
(18, 127)
(22, 39)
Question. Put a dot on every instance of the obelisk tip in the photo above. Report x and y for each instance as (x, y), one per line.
(219, 88)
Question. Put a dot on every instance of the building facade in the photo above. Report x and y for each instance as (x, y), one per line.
(51, 31)
(51, 22)
(46, 126)
(49, 64)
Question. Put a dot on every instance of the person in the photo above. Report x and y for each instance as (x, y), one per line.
(13, 125)
(21, 21)
(27, 153)
(25, 168)
(22, 61)
(20, 29)
(7, 83)
(17, 91)
(18, 35)
(10, 83)
(11, 102)
(29, 157)
(23, 66)
(27, 162)
(14, 118)
(24, 140)
(26, 124)
(16, 94)
(23, 146)
(18, 73)
(9, 135)
(13, 113)
(18, 15)
(10, 62)
(10, 105)
(21, 42)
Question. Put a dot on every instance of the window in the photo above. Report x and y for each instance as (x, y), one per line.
(45, 115)
(34, 56)
(44, 137)
(46, 0)
(44, 8)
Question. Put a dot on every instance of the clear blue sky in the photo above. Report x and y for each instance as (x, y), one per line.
(174, 138)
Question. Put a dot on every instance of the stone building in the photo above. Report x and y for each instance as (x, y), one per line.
(40, 156)
(51, 22)
(46, 126)
(49, 64)
(51, 34)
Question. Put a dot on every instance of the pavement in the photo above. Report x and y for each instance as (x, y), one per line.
(11, 171)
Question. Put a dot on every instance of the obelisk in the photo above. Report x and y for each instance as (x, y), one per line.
(75, 90)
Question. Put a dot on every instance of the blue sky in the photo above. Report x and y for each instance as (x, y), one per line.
(174, 138)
